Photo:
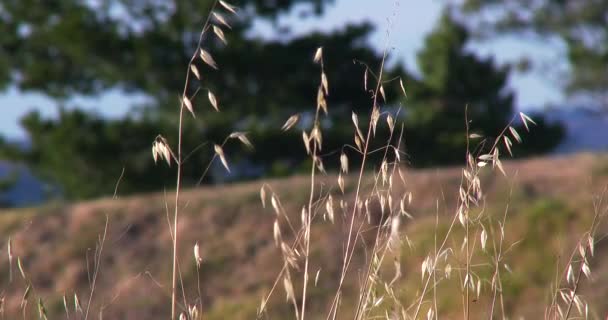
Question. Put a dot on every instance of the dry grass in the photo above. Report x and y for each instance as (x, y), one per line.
(473, 242)
(240, 258)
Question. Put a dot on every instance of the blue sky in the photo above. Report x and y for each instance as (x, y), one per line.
(408, 21)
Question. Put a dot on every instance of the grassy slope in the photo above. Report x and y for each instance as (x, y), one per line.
(550, 205)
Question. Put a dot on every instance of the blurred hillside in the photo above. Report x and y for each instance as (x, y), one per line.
(550, 203)
(585, 131)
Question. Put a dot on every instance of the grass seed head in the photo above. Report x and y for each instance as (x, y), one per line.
(208, 59)
(197, 255)
(228, 6)
(220, 153)
(292, 121)
(220, 34)
(220, 18)
(318, 55)
(213, 101)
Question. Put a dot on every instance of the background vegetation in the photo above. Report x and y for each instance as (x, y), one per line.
(72, 47)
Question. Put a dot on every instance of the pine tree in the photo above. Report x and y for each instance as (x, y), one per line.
(455, 86)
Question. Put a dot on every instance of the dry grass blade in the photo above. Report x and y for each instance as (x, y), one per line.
(382, 93)
(500, 167)
(197, 255)
(341, 182)
(10, 259)
(358, 143)
(319, 163)
(263, 196)
(228, 6)
(525, 119)
(325, 83)
(318, 55)
(475, 136)
(402, 87)
(194, 70)
(483, 238)
(306, 140)
(213, 100)
(220, 34)
(321, 102)
(317, 136)
(220, 18)
(374, 119)
(155, 152)
(276, 205)
(65, 306)
(508, 144)
(586, 270)
(329, 208)
(188, 105)
(292, 121)
(394, 240)
(208, 59)
(242, 136)
(77, 305)
(276, 232)
(220, 153)
(161, 149)
(515, 134)
(344, 163)
(26, 295)
(390, 122)
(41, 310)
(359, 134)
(290, 295)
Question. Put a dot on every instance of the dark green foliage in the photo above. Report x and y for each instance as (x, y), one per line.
(455, 86)
(460, 91)
(582, 25)
(85, 154)
(66, 47)
(543, 137)
(71, 48)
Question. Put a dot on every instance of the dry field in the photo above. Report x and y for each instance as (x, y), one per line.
(550, 203)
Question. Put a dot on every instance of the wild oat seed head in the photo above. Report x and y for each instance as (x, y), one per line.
(318, 55)
(208, 59)
(220, 34)
(220, 153)
(188, 104)
(220, 18)
(292, 121)
(197, 255)
(344, 163)
(228, 6)
(263, 196)
(194, 70)
(213, 100)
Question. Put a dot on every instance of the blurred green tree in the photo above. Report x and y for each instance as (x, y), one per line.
(70, 47)
(456, 86)
(582, 25)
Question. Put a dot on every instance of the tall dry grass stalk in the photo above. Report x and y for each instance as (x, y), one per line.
(161, 148)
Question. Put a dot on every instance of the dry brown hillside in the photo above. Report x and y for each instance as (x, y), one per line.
(551, 202)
